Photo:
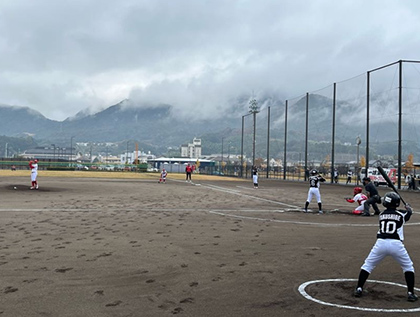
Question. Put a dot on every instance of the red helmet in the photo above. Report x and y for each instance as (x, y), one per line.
(36, 161)
(30, 162)
(357, 190)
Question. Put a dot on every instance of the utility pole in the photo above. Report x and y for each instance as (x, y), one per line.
(222, 153)
(253, 108)
(71, 148)
(126, 154)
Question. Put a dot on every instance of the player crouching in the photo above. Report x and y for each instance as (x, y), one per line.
(359, 198)
(163, 175)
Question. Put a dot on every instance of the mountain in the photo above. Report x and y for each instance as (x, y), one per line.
(23, 121)
(158, 128)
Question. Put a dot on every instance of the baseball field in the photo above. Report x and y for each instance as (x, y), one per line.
(121, 244)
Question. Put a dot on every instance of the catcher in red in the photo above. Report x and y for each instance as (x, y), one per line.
(358, 198)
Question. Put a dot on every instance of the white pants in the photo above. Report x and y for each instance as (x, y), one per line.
(314, 191)
(33, 176)
(255, 179)
(361, 207)
(392, 247)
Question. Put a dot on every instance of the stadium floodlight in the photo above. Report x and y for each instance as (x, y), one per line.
(253, 109)
(358, 142)
(71, 148)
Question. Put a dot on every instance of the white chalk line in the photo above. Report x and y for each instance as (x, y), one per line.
(223, 189)
(384, 310)
(235, 192)
(223, 212)
(320, 224)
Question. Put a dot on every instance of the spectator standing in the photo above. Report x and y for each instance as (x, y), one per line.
(188, 172)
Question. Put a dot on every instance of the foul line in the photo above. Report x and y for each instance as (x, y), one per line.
(384, 310)
(235, 192)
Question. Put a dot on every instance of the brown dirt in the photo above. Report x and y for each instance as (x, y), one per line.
(133, 247)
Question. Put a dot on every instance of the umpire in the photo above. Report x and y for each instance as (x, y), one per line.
(373, 197)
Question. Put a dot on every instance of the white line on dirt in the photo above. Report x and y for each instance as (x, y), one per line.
(384, 310)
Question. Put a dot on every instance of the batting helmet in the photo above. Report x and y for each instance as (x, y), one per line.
(314, 172)
(357, 190)
(366, 179)
(391, 200)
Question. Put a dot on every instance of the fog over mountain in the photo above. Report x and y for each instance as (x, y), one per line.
(160, 127)
(65, 57)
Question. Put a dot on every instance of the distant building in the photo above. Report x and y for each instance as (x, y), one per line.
(191, 150)
(52, 153)
(130, 157)
(177, 165)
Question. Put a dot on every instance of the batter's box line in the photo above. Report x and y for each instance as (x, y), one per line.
(310, 223)
(235, 192)
(303, 292)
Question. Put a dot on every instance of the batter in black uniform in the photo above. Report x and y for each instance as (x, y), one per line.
(373, 197)
(314, 181)
(390, 241)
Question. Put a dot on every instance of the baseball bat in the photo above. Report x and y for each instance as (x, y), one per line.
(390, 184)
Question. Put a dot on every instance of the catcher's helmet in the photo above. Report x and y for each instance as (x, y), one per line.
(314, 172)
(357, 190)
(391, 200)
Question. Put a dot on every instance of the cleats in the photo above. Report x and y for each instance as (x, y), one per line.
(411, 297)
(320, 212)
(365, 214)
(358, 292)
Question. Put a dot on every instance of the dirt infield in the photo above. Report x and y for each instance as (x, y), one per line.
(133, 247)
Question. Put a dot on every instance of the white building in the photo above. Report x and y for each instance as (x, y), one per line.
(191, 150)
(130, 157)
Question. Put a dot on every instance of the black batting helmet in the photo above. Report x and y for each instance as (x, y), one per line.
(391, 200)
(314, 172)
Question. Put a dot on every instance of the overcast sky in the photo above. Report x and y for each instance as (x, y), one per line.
(63, 56)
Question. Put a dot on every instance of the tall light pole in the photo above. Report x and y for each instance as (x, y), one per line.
(253, 108)
(222, 152)
(242, 144)
(54, 152)
(126, 154)
(358, 141)
(71, 148)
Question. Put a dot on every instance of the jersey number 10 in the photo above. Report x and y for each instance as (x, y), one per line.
(388, 227)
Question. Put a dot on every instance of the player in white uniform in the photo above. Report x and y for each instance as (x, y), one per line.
(389, 241)
(163, 175)
(255, 176)
(314, 181)
(33, 165)
(359, 198)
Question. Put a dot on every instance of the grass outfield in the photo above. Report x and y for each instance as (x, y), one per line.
(105, 174)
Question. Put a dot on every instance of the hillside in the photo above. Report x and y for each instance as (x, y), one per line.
(158, 128)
